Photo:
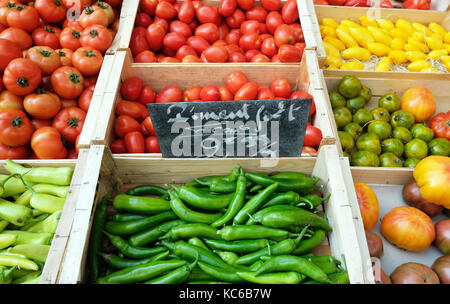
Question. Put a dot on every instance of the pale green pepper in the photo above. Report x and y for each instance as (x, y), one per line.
(14, 213)
(47, 203)
(43, 175)
(32, 251)
(25, 237)
(6, 274)
(12, 260)
(30, 278)
(7, 240)
(48, 225)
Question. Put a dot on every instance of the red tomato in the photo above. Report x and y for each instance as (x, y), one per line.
(236, 19)
(227, 7)
(220, 43)
(87, 60)
(250, 54)
(88, 81)
(181, 28)
(289, 11)
(22, 76)
(209, 31)
(65, 56)
(69, 122)
(186, 12)
(210, 93)
(132, 108)
(170, 93)
(281, 87)
(313, 136)
(45, 57)
(191, 59)
(193, 25)
(131, 88)
(192, 94)
(138, 41)
(67, 103)
(260, 58)
(148, 126)
(143, 19)
(308, 150)
(24, 17)
(237, 57)
(170, 59)
(70, 37)
(440, 124)
(216, 54)
(250, 41)
(223, 31)
(52, 11)
(85, 98)
(283, 35)
(225, 94)
(273, 20)
(134, 142)
(47, 144)
(154, 36)
(174, 41)
(151, 145)
(233, 36)
(47, 36)
(20, 152)
(15, 128)
(250, 26)
(9, 51)
(235, 81)
(92, 15)
(39, 123)
(245, 4)
(264, 93)
(297, 32)
(268, 47)
(165, 10)
(145, 56)
(247, 92)
(125, 124)
(169, 52)
(148, 95)
(368, 204)
(289, 53)
(302, 95)
(148, 6)
(96, 36)
(257, 13)
(231, 48)
(42, 104)
(276, 58)
(18, 36)
(199, 44)
(207, 14)
(271, 5)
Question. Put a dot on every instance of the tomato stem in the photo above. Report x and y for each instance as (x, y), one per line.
(73, 122)
(16, 122)
(45, 53)
(76, 34)
(75, 78)
(23, 82)
(93, 33)
(57, 2)
(89, 53)
(88, 10)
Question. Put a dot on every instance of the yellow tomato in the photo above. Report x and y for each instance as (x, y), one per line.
(445, 59)
(397, 33)
(326, 30)
(419, 36)
(361, 35)
(329, 22)
(421, 46)
(379, 36)
(432, 174)
(419, 27)
(356, 52)
(404, 25)
(331, 50)
(333, 62)
(346, 38)
(398, 56)
(385, 24)
(414, 56)
(447, 38)
(367, 21)
(379, 49)
(352, 65)
(436, 54)
(419, 65)
(384, 64)
(437, 28)
(349, 23)
(335, 42)
(434, 42)
(397, 44)
(411, 47)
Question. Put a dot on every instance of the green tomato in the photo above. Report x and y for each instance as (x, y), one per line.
(416, 148)
(362, 117)
(381, 114)
(402, 133)
(346, 140)
(364, 159)
(411, 163)
(393, 145)
(366, 93)
(439, 146)
(342, 116)
(380, 128)
(402, 118)
(337, 100)
(349, 86)
(369, 142)
(390, 102)
(389, 159)
(422, 132)
(353, 129)
(356, 103)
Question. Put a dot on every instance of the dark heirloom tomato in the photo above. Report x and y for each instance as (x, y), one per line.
(209, 93)
(22, 76)
(186, 12)
(131, 88)
(227, 7)
(20, 152)
(134, 142)
(15, 128)
(47, 144)
(69, 122)
(209, 31)
(154, 36)
(170, 93)
(247, 92)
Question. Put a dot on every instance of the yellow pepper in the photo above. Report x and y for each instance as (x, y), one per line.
(421, 46)
(447, 38)
(385, 24)
(411, 47)
(352, 65)
(329, 22)
(361, 35)
(419, 36)
(414, 56)
(437, 28)
(429, 70)
(335, 42)
(447, 47)
(436, 54)
(379, 36)
(434, 42)
(418, 65)
(356, 52)
(445, 59)
(447, 66)
(419, 27)
(346, 38)
(384, 64)
(432, 174)
(379, 49)
(397, 44)
(398, 56)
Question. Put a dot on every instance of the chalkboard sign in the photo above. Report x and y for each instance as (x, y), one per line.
(231, 129)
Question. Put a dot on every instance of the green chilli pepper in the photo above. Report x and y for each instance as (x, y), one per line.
(12, 260)
(252, 232)
(227, 256)
(146, 189)
(254, 204)
(239, 246)
(273, 278)
(14, 213)
(32, 251)
(236, 203)
(190, 230)
(307, 245)
(315, 200)
(202, 200)
(11, 185)
(197, 242)
(339, 278)
(41, 175)
(207, 282)
(117, 262)
(301, 183)
(134, 226)
(140, 204)
(124, 217)
(132, 251)
(153, 234)
(30, 278)
(6, 274)
(288, 197)
(189, 215)
(141, 273)
(176, 276)
(220, 273)
(199, 275)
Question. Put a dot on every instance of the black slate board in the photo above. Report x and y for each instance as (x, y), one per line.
(231, 129)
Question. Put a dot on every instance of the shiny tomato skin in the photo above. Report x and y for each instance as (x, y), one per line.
(250, 26)
(147, 125)
(233, 36)
(236, 19)
(368, 204)
(207, 14)
(132, 108)
(148, 6)
(191, 59)
(138, 41)
(85, 98)
(210, 93)
(247, 92)
(209, 31)
(186, 12)
(47, 36)
(45, 57)
(165, 10)
(145, 56)
(260, 58)
(9, 51)
(237, 57)
(250, 54)
(289, 11)
(131, 88)
(225, 94)
(227, 7)
(18, 36)
(124, 124)
(134, 142)
(174, 41)
(281, 87)
(264, 93)
(21, 76)
(15, 128)
(87, 60)
(223, 31)
(313, 136)
(143, 19)
(47, 144)
(257, 13)
(161, 22)
(250, 41)
(51, 11)
(148, 95)
(235, 81)
(96, 36)
(198, 43)
(181, 28)
(155, 35)
(118, 146)
(303, 95)
(170, 93)
(216, 54)
(69, 122)
(24, 17)
(271, 5)
(289, 53)
(245, 4)
(297, 31)
(151, 145)
(192, 94)
(184, 51)
(42, 105)
(19, 152)
(273, 20)
(283, 35)
(268, 47)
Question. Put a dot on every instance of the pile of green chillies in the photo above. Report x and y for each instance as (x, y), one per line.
(31, 203)
(239, 228)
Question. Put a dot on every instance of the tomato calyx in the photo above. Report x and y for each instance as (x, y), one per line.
(72, 122)
(57, 3)
(49, 30)
(16, 122)
(41, 91)
(93, 33)
(11, 4)
(23, 82)
(20, 7)
(75, 78)
(88, 10)
(89, 53)
(45, 53)
(61, 53)
(102, 4)
(76, 34)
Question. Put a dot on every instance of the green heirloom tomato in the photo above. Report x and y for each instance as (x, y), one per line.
(416, 148)
(362, 116)
(342, 116)
(422, 132)
(346, 140)
(390, 102)
(439, 146)
(381, 114)
(402, 133)
(389, 159)
(366, 93)
(337, 100)
(402, 118)
(411, 163)
(393, 145)
(369, 142)
(380, 128)
(353, 129)
(356, 103)
(349, 86)
(346, 154)
(365, 159)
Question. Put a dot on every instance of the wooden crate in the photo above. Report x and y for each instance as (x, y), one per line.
(388, 188)
(59, 242)
(307, 77)
(339, 13)
(106, 170)
(379, 88)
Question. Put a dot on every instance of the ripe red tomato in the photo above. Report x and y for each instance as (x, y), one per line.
(271, 5)
(132, 108)
(148, 126)
(289, 11)
(208, 14)
(247, 92)
(46, 143)
(260, 58)
(145, 56)
(143, 19)
(52, 11)
(245, 4)
(192, 94)
(170, 59)
(225, 94)
(297, 32)
(216, 54)
(18, 36)
(138, 41)
(170, 93)
(308, 150)
(87, 60)
(268, 47)
(69, 122)
(368, 204)
(134, 142)
(276, 58)
(154, 36)
(313, 136)
(9, 51)
(165, 10)
(273, 20)
(250, 26)
(125, 124)
(250, 41)
(227, 7)
(236, 19)
(264, 93)
(148, 95)
(67, 82)
(131, 88)
(148, 6)
(235, 81)
(85, 98)
(118, 146)
(15, 128)
(181, 28)
(283, 35)
(289, 53)
(186, 12)
(199, 44)
(65, 56)
(210, 93)
(42, 104)
(24, 17)
(281, 87)
(161, 22)
(191, 59)
(45, 57)
(174, 41)
(20, 152)
(257, 13)
(70, 37)
(67, 103)
(209, 31)
(237, 57)
(151, 145)
(47, 36)
(250, 54)
(96, 36)
(22, 76)
(303, 95)
(233, 36)
(223, 31)
(39, 123)
(92, 15)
